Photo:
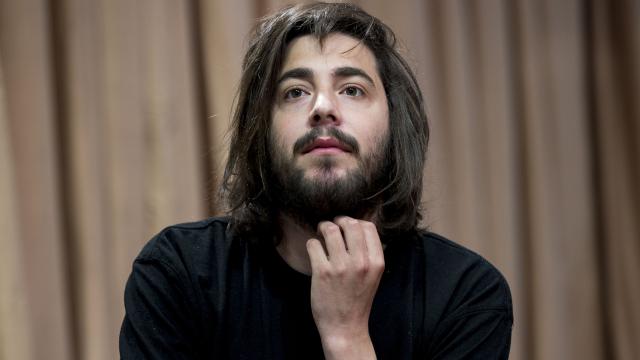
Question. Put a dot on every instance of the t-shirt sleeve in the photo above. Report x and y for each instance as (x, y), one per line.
(481, 327)
(484, 334)
(157, 322)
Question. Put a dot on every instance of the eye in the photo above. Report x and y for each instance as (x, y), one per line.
(353, 91)
(294, 93)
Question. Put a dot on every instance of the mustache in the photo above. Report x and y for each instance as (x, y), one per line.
(334, 132)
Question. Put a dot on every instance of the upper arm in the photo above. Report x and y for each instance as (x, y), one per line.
(158, 322)
(480, 328)
(484, 334)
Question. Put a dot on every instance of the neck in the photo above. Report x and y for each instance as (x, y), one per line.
(293, 244)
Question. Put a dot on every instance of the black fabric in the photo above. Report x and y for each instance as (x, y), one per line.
(196, 292)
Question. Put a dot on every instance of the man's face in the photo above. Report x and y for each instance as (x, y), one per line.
(330, 120)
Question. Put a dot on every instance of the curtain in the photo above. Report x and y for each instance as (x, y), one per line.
(113, 120)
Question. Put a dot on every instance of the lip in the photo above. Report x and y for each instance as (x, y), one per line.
(325, 145)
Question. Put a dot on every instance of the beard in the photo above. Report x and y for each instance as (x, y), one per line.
(324, 195)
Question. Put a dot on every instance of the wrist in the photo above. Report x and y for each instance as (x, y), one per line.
(348, 346)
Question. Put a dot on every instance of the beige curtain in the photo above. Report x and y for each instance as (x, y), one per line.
(112, 125)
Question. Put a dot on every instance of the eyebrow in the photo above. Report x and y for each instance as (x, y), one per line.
(296, 73)
(348, 71)
(307, 74)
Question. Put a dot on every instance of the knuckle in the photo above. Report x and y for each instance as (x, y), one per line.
(343, 218)
(331, 228)
(349, 224)
(311, 243)
(368, 225)
(340, 219)
(323, 225)
(339, 270)
(346, 222)
(377, 264)
(323, 272)
(363, 267)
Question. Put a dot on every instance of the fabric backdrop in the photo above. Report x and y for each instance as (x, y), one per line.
(112, 125)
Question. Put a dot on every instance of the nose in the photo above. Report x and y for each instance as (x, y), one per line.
(324, 111)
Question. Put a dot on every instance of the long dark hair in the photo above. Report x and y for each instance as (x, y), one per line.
(247, 183)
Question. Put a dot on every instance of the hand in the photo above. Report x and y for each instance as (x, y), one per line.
(343, 283)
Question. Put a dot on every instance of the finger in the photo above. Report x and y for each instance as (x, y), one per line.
(317, 256)
(353, 235)
(336, 248)
(373, 243)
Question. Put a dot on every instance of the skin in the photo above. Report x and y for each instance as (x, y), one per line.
(318, 88)
(339, 86)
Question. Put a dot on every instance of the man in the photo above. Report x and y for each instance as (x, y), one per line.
(321, 255)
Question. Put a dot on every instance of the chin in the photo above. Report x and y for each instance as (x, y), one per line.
(324, 173)
(327, 167)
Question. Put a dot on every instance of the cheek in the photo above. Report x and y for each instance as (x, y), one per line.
(284, 134)
(378, 122)
(374, 136)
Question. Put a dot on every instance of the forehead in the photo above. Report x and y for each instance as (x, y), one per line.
(335, 50)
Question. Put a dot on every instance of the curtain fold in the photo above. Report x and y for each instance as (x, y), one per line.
(14, 316)
(561, 239)
(615, 93)
(132, 151)
(26, 57)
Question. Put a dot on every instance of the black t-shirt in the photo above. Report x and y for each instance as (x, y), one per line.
(198, 292)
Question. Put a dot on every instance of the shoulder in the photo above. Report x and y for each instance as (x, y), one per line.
(164, 297)
(453, 298)
(475, 282)
(187, 241)
(472, 298)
